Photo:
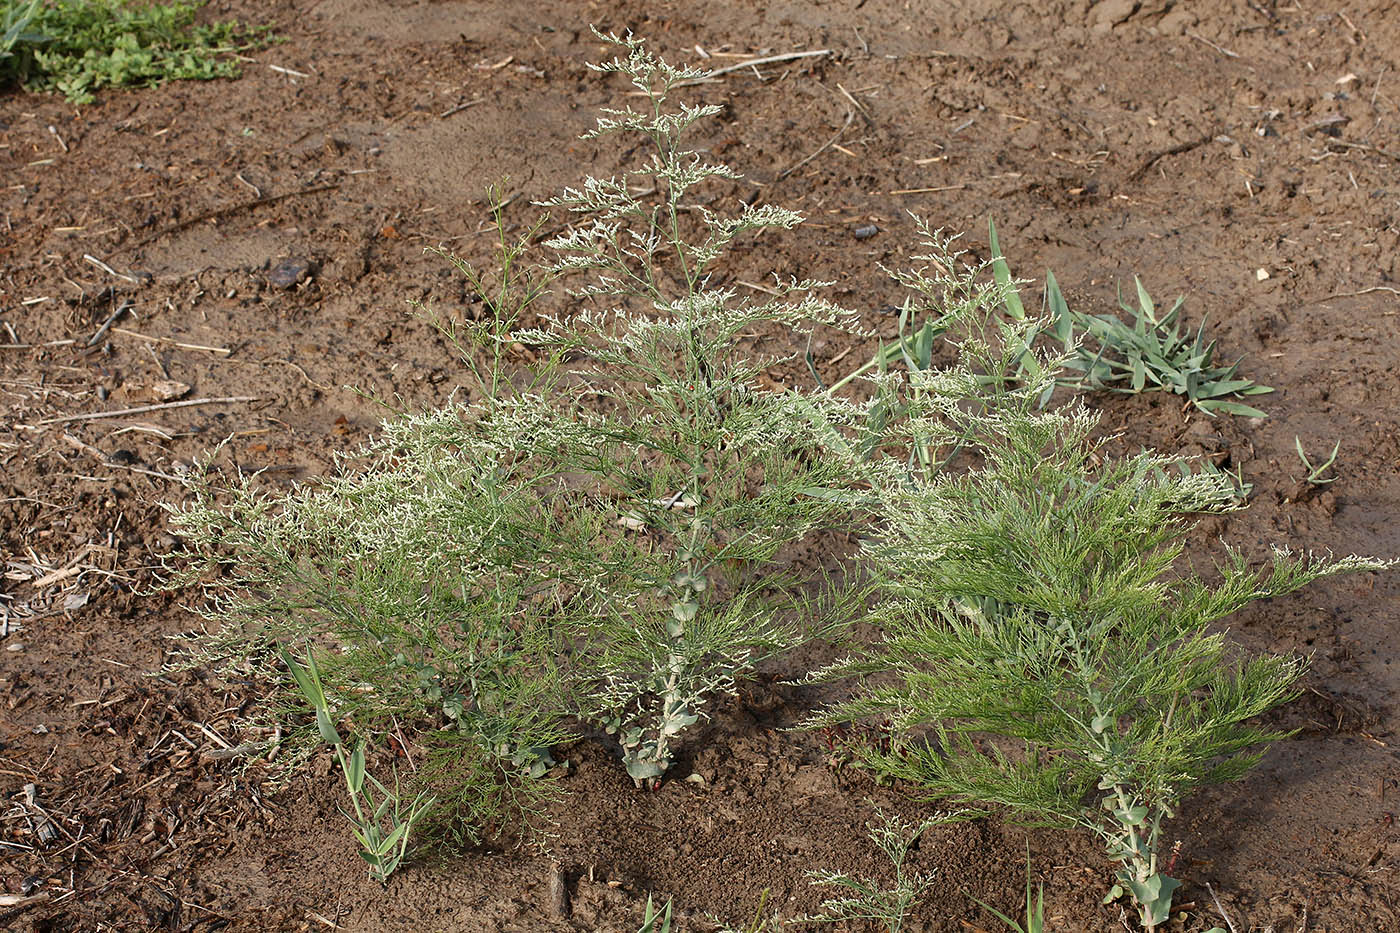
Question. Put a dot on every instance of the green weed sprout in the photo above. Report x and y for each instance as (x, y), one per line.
(706, 473)
(945, 290)
(1315, 475)
(957, 305)
(1149, 353)
(759, 923)
(505, 291)
(654, 921)
(865, 898)
(1035, 907)
(381, 823)
(947, 294)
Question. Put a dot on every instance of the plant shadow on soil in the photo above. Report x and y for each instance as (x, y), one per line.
(1046, 115)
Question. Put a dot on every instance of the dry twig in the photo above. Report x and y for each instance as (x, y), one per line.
(106, 268)
(460, 107)
(1364, 291)
(1364, 148)
(1220, 49)
(753, 62)
(1224, 916)
(226, 211)
(142, 409)
(850, 116)
(122, 308)
(221, 351)
(926, 190)
(1178, 149)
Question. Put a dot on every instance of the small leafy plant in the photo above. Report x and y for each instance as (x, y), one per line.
(957, 305)
(604, 534)
(655, 921)
(78, 47)
(759, 924)
(1317, 475)
(382, 824)
(416, 577)
(866, 898)
(1151, 352)
(597, 534)
(18, 38)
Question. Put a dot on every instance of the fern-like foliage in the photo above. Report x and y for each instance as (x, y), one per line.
(1042, 650)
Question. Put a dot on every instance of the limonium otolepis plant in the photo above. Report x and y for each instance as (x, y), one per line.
(707, 474)
(598, 534)
(416, 579)
(1043, 651)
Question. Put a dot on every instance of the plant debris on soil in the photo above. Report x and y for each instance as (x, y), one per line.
(217, 260)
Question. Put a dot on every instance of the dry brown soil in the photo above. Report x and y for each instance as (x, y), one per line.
(1192, 144)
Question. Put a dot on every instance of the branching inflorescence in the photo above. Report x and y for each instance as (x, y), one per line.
(709, 473)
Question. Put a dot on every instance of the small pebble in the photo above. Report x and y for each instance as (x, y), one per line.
(865, 233)
(168, 390)
(289, 273)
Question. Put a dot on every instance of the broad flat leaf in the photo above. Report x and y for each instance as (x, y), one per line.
(327, 728)
(1227, 387)
(355, 769)
(1058, 308)
(1155, 896)
(393, 838)
(1212, 406)
(1145, 300)
(643, 770)
(302, 678)
(677, 724)
(1133, 816)
(1001, 272)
